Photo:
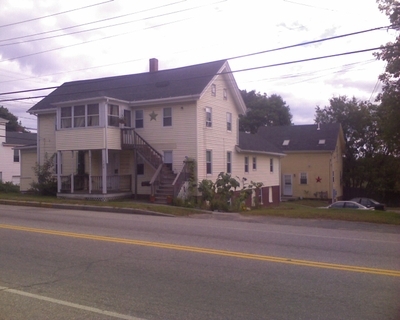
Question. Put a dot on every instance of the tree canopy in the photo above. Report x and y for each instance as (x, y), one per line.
(13, 123)
(263, 110)
(366, 164)
(389, 110)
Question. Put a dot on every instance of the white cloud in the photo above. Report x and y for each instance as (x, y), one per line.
(193, 32)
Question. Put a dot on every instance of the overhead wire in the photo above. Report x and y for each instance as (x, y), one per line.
(54, 14)
(221, 73)
(89, 23)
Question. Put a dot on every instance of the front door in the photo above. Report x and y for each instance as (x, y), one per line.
(168, 159)
(287, 185)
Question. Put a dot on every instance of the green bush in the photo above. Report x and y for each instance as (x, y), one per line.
(8, 187)
(46, 184)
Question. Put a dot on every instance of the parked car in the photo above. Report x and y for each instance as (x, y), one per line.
(367, 202)
(348, 205)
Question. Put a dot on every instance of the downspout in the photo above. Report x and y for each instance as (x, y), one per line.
(105, 154)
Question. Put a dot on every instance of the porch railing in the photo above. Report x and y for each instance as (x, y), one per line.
(115, 183)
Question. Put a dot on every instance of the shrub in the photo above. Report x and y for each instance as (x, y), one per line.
(8, 187)
(46, 184)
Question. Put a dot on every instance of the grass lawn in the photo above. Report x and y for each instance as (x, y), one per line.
(304, 209)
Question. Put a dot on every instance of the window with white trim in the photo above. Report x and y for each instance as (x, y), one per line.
(229, 162)
(246, 164)
(66, 117)
(113, 115)
(303, 178)
(254, 163)
(213, 90)
(208, 117)
(208, 161)
(271, 165)
(229, 121)
(167, 117)
(225, 93)
(79, 116)
(16, 155)
(139, 119)
(93, 115)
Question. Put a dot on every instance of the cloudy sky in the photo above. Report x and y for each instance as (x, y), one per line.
(45, 43)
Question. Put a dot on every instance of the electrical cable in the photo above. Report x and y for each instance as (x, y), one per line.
(230, 72)
(54, 14)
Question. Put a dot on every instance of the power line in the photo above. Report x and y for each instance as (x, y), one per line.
(259, 52)
(115, 35)
(54, 14)
(313, 41)
(85, 24)
(236, 71)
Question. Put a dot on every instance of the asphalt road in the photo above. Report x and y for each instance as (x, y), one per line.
(64, 264)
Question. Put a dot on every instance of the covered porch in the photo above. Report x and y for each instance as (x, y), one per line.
(93, 174)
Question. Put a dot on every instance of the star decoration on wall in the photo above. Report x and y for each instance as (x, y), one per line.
(318, 179)
(153, 116)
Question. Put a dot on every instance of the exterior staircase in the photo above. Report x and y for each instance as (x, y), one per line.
(165, 189)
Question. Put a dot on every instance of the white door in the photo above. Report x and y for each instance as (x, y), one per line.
(168, 159)
(287, 185)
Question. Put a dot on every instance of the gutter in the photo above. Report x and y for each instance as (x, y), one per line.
(239, 150)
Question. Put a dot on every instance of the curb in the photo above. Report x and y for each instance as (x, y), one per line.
(83, 207)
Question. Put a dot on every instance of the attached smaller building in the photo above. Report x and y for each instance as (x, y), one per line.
(313, 165)
(10, 155)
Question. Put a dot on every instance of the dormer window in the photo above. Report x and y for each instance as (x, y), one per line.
(213, 90)
(321, 141)
(285, 142)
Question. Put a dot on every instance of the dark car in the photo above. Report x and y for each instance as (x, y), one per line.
(369, 203)
(348, 205)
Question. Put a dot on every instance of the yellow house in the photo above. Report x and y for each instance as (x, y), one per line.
(133, 134)
(313, 165)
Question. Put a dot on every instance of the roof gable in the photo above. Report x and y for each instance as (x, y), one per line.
(165, 84)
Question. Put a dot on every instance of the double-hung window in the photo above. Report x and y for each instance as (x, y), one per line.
(208, 117)
(16, 155)
(246, 164)
(167, 117)
(271, 165)
(113, 115)
(254, 163)
(66, 117)
(208, 161)
(93, 119)
(229, 162)
(303, 178)
(138, 118)
(79, 116)
(229, 121)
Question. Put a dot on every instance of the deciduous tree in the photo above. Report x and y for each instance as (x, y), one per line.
(263, 110)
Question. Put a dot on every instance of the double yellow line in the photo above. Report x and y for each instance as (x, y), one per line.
(241, 255)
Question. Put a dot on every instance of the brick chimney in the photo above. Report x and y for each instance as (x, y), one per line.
(153, 65)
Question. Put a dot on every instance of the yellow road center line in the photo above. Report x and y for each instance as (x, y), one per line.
(234, 254)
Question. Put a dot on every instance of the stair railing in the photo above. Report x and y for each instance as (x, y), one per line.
(131, 139)
(182, 177)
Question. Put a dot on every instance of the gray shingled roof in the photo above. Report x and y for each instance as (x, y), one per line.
(180, 82)
(302, 137)
(257, 143)
(20, 138)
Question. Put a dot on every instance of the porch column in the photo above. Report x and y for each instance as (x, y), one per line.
(104, 170)
(58, 171)
(90, 171)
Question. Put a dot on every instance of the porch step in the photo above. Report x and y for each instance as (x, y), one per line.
(165, 189)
